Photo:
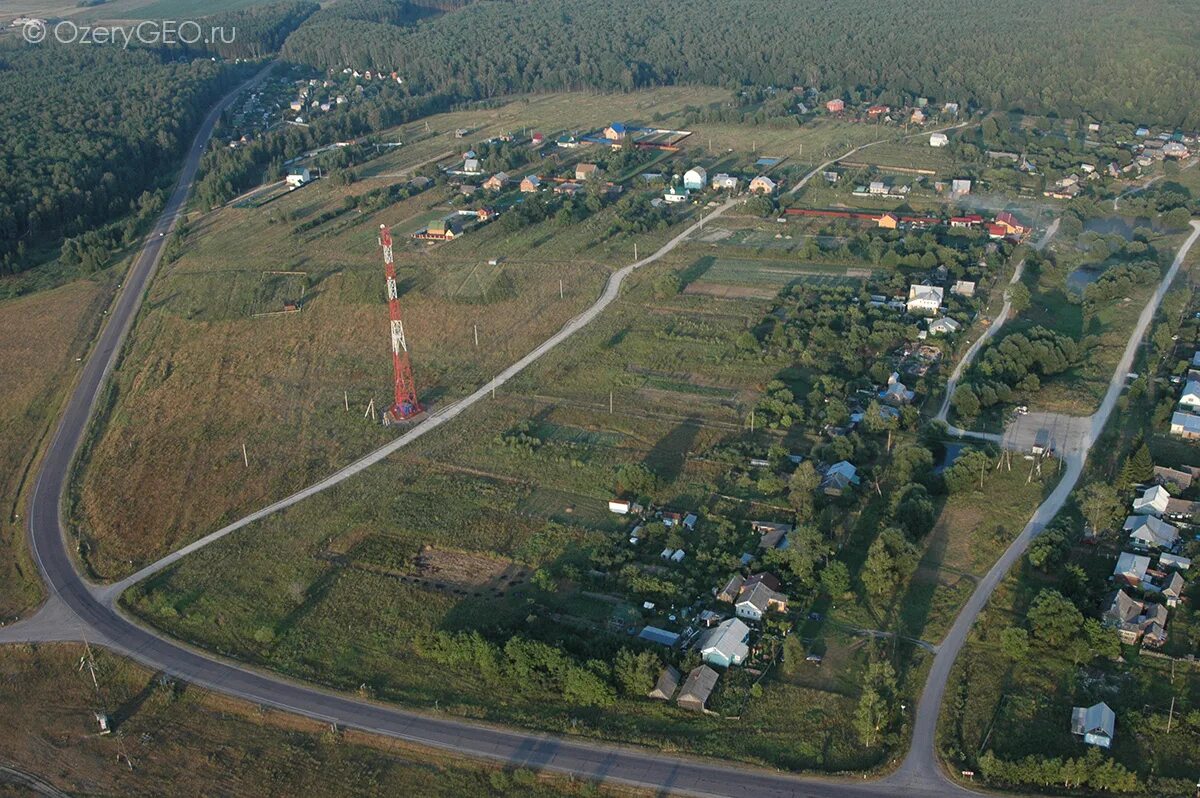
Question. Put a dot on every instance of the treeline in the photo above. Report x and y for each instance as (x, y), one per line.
(961, 50)
(533, 668)
(1014, 367)
(85, 130)
(256, 31)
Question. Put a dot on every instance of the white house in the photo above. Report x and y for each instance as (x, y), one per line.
(298, 177)
(1131, 568)
(471, 166)
(725, 182)
(938, 140)
(1190, 398)
(1151, 532)
(960, 186)
(676, 194)
(678, 555)
(754, 603)
(726, 644)
(1153, 501)
(963, 288)
(695, 178)
(925, 298)
(618, 506)
(1095, 724)
(944, 326)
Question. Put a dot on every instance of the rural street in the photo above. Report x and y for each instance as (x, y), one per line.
(990, 332)
(76, 608)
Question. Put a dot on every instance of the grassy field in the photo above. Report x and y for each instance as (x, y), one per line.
(116, 10)
(175, 739)
(43, 334)
(203, 375)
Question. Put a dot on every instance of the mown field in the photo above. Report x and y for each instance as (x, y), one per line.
(174, 739)
(43, 334)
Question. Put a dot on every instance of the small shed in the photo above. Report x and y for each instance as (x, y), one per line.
(667, 684)
(697, 689)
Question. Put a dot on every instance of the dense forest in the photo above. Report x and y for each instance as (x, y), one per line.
(1112, 59)
(85, 130)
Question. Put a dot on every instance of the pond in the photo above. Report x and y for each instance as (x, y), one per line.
(1081, 278)
(1120, 225)
(950, 453)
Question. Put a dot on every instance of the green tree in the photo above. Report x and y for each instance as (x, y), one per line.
(1018, 295)
(876, 710)
(891, 560)
(835, 578)
(1014, 642)
(965, 402)
(1099, 504)
(1053, 618)
(636, 672)
(802, 489)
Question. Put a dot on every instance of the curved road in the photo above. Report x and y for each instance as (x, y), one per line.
(77, 609)
(990, 332)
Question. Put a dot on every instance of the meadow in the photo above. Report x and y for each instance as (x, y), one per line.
(173, 738)
(202, 374)
(44, 333)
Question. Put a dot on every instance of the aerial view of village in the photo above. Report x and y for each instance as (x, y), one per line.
(500, 398)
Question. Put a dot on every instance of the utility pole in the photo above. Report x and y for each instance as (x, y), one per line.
(1171, 715)
(560, 282)
(476, 326)
(751, 422)
(245, 457)
(610, 402)
(346, 400)
(635, 257)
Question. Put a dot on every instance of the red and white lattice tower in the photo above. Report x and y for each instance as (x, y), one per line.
(406, 404)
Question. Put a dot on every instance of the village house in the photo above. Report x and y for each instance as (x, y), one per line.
(1185, 425)
(1136, 621)
(667, 684)
(877, 110)
(1094, 724)
(697, 688)
(970, 220)
(676, 194)
(1131, 568)
(888, 221)
(1179, 478)
(616, 131)
(896, 392)
(568, 188)
(725, 182)
(944, 326)
(758, 600)
(960, 186)
(839, 477)
(496, 182)
(774, 535)
(732, 589)
(531, 184)
(835, 106)
(586, 171)
(924, 299)
(762, 185)
(963, 288)
(1153, 501)
(1149, 532)
(938, 140)
(726, 644)
(1172, 591)
(1189, 399)
(695, 179)
(1010, 224)
(298, 177)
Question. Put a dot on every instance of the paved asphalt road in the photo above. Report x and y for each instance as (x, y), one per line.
(75, 608)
